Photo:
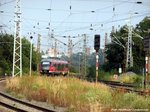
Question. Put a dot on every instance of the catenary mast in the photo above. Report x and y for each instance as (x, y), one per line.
(17, 53)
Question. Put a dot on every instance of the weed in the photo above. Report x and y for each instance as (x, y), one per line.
(75, 94)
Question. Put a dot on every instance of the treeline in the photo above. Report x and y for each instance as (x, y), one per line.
(6, 55)
(116, 54)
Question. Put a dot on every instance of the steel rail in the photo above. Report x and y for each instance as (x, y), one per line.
(126, 86)
(12, 107)
(1, 79)
(26, 103)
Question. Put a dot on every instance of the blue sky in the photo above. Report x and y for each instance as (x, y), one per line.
(72, 18)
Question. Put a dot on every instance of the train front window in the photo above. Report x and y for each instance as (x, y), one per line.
(45, 64)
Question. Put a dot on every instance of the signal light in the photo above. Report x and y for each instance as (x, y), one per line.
(97, 42)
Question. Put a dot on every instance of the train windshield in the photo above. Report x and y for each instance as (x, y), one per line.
(44, 64)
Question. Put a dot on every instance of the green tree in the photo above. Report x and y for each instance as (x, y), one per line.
(116, 54)
(6, 54)
(115, 51)
(143, 27)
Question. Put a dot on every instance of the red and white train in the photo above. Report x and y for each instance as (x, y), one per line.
(54, 67)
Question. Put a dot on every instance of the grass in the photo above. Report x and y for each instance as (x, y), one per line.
(132, 78)
(75, 94)
(124, 78)
(106, 75)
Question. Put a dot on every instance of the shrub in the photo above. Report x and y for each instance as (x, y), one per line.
(129, 78)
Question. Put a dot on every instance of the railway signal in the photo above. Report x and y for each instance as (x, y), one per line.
(97, 42)
(96, 47)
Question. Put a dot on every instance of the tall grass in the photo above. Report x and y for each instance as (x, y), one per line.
(75, 94)
(105, 75)
(132, 78)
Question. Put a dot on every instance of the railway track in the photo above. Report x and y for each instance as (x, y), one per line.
(14, 104)
(20, 105)
(126, 87)
(118, 84)
(2, 79)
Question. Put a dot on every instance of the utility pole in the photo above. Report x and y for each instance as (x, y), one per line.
(30, 54)
(105, 40)
(39, 40)
(17, 52)
(38, 51)
(129, 61)
(69, 47)
(105, 47)
(52, 46)
(69, 51)
(55, 49)
(83, 67)
(113, 29)
(38, 43)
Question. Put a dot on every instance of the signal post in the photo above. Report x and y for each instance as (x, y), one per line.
(96, 66)
(147, 58)
(96, 47)
(146, 70)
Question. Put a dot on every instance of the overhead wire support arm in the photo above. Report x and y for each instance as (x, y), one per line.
(60, 41)
(134, 33)
(77, 42)
(137, 35)
(118, 42)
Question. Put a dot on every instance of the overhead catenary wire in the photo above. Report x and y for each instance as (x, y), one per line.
(57, 21)
(96, 24)
(62, 22)
(110, 1)
(46, 21)
(85, 27)
(106, 22)
(1, 4)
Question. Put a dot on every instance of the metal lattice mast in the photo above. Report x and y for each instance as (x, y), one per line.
(129, 61)
(17, 53)
(83, 67)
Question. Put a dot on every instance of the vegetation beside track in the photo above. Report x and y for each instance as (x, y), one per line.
(75, 94)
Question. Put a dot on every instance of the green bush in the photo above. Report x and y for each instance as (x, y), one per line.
(129, 78)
